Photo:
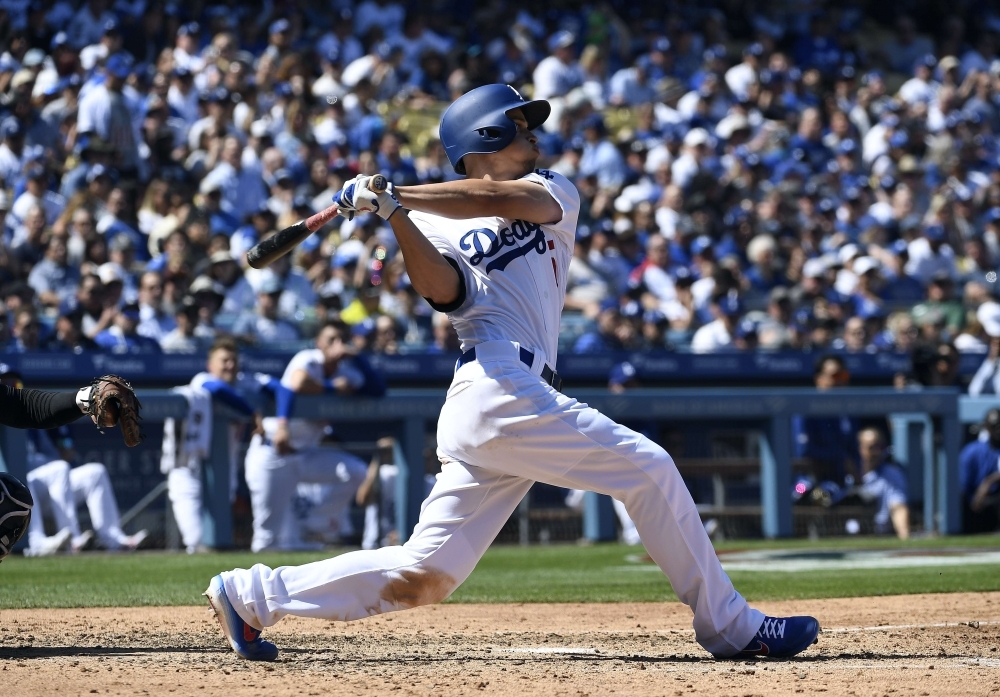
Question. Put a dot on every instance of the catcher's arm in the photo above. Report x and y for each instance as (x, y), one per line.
(110, 400)
(21, 408)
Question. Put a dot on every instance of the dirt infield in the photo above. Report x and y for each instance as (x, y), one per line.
(899, 645)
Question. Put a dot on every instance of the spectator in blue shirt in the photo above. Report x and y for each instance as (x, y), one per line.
(122, 337)
(397, 169)
(828, 443)
(979, 478)
(882, 482)
(600, 157)
(607, 335)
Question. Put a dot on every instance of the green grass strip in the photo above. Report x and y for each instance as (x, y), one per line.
(558, 573)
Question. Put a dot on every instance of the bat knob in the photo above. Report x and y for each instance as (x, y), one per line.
(378, 184)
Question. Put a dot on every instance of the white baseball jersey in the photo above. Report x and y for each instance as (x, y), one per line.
(514, 272)
(307, 433)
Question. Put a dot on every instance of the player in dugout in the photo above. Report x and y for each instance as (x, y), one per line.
(107, 400)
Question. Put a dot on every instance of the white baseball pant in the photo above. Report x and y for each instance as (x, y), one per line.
(273, 478)
(501, 428)
(184, 490)
(61, 488)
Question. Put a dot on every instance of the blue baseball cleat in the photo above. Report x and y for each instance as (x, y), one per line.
(782, 637)
(244, 639)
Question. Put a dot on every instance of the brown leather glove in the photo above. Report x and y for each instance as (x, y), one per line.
(113, 401)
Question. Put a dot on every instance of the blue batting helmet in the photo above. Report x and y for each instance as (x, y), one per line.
(477, 122)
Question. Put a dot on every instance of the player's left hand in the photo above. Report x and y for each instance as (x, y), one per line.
(345, 207)
(363, 200)
(110, 400)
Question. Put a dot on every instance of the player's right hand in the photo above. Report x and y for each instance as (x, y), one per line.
(282, 440)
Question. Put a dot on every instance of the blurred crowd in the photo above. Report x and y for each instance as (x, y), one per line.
(752, 175)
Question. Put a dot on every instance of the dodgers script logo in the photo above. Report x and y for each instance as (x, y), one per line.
(489, 244)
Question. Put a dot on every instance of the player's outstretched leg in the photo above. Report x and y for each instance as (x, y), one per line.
(458, 521)
(513, 422)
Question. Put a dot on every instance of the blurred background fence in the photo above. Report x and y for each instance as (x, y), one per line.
(734, 447)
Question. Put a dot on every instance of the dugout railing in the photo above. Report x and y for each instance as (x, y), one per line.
(409, 414)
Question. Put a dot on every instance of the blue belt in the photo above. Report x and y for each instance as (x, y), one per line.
(528, 358)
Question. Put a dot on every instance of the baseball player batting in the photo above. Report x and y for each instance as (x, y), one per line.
(492, 252)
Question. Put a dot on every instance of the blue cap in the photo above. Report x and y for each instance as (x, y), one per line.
(583, 232)
(621, 373)
(653, 317)
(935, 232)
(953, 119)
(363, 328)
(754, 49)
(927, 60)
(595, 121)
(730, 305)
(189, 29)
(632, 310)
(794, 74)
(383, 49)
(99, 170)
(871, 76)
(700, 244)
(661, 45)
(131, 310)
(609, 304)
(846, 72)
(869, 310)
(283, 174)
(889, 119)
(269, 285)
(332, 54)
(119, 65)
(111, 26)
(216, 96)
(60, 39)
(278, 26)
(35, 170)
(826, 205)
(561, 39)
(311, 243)
(11, 127)
(900, 247)
(899, 139)
(714, 52)
(847, 146)
(746, 328)
(993, 214)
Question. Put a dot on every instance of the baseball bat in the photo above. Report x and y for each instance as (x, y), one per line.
(284, 241)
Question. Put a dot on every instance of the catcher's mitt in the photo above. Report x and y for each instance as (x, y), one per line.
(15, 512)
(112, 401)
